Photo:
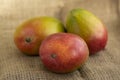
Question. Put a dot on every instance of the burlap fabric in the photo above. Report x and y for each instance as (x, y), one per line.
(16, 66)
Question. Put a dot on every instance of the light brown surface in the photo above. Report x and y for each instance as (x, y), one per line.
(16, 66)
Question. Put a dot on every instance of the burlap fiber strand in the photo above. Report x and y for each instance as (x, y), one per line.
(16, 66)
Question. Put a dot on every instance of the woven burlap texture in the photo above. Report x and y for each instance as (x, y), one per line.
(16, 66)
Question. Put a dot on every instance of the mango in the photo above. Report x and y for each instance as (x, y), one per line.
(29, 35)
(89, 27)
(63, 52)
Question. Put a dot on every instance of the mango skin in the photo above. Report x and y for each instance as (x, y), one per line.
(63, 52)
(89, 27)
(29, 35)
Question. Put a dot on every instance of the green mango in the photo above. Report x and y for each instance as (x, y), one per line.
(89, 27)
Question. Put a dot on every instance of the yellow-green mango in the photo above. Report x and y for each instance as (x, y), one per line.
(89, 27)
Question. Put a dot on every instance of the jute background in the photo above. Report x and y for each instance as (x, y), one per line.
(16, 66)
